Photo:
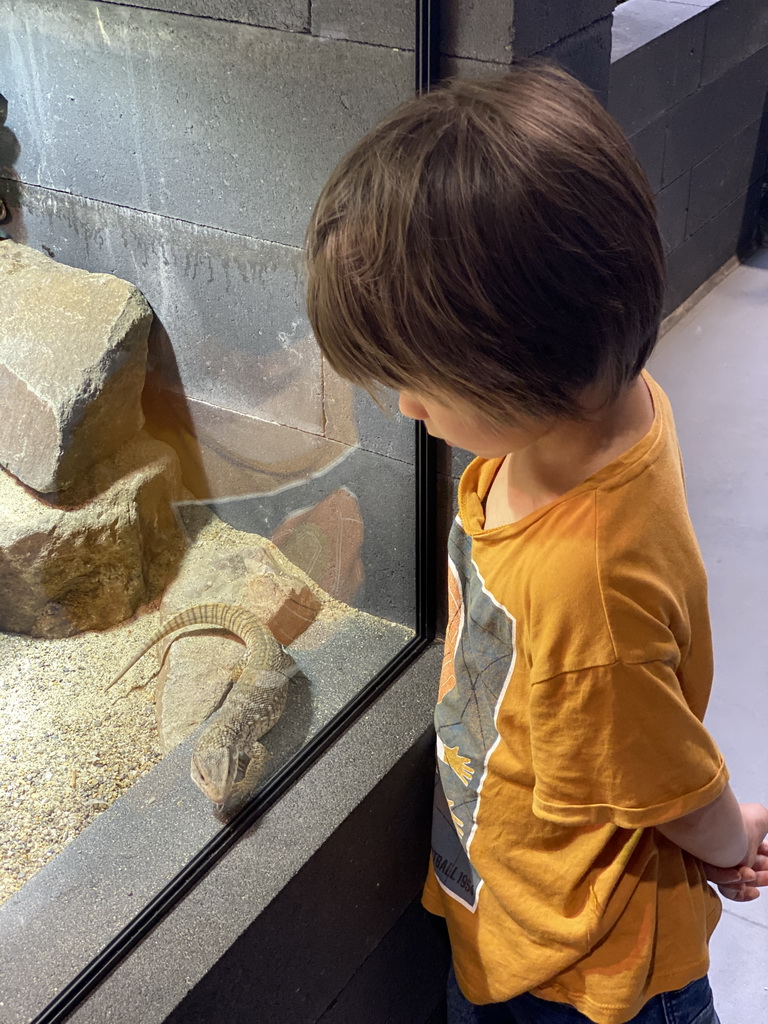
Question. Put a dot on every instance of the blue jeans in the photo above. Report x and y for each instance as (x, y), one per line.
(690, 1005)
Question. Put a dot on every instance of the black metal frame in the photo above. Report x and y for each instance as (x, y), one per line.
(427, 40)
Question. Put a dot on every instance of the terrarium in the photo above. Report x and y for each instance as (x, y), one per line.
(213, 550)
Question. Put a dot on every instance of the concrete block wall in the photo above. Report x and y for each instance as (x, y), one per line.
(181, 145)
(689, 85)
(576, 35)
(288, 15)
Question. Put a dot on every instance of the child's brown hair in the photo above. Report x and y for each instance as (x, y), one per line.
(494, 239)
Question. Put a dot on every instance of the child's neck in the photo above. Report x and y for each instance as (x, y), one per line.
(567, 455)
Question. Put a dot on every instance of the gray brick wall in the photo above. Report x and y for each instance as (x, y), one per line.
(541, 25)
(657, 53)
(382, 22)
(225, 125)
(586, 54)
(715, 113)
(689, 85)
(576, 35)
(185, 154)
(736, 29)
(289, 15)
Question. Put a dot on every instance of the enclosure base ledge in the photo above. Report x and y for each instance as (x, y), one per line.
(281, 926)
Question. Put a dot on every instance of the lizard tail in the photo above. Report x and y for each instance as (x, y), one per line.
(236, 620)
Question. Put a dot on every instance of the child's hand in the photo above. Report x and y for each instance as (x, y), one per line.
(742, 882)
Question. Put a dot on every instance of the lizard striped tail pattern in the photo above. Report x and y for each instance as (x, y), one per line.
(231, 735)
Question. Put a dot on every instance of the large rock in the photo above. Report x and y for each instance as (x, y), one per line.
(73, 353)
(91, 565)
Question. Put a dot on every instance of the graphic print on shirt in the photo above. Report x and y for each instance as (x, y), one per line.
(477, 666)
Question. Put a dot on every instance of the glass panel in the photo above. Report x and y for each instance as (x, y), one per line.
(201, 455)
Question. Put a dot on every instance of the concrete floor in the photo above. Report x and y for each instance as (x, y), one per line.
(714, 366)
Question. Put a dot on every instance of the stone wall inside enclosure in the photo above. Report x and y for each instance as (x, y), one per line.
(181, 145)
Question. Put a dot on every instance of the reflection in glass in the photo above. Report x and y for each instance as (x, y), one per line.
(172, 438)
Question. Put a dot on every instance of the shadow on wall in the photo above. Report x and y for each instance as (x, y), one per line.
(168, 414)
(754, 225)
(759, 176)
(11, 192)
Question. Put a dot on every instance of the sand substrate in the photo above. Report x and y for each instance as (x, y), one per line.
(67, 748)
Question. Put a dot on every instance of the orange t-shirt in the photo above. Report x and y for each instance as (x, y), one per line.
(577, 670)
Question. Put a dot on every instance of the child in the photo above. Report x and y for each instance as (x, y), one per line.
(490, 251)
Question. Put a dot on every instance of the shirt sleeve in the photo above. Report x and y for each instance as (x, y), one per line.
(619, 744)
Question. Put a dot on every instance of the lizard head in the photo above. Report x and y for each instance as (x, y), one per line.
(213, 770)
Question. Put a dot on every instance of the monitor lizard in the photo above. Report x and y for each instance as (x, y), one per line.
(230, 738)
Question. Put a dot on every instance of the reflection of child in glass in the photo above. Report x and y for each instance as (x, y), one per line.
(490, 251)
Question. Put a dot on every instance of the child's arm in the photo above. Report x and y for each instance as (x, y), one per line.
(724, 833)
